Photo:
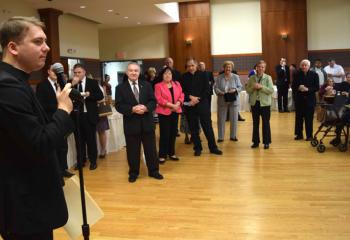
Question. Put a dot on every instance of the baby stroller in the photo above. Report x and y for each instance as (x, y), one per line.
(330, 114)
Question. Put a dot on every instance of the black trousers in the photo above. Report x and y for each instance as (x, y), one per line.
(282, 98)
(87, 139)
(304, 113)
(167, 134)
(42, 236)
(62, 154)
(265, 113)
(201, 114)
(133, 152)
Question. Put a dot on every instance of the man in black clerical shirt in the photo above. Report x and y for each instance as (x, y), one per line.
(196, 87)
(32, 202)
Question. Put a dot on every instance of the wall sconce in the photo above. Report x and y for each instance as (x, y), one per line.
(284, 36)
(188, 42)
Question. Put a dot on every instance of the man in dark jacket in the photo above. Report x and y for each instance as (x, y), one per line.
(195, 86)
(32, 202)
(282, 83)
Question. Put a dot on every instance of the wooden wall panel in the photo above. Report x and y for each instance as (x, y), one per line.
(283, 16)
(194, 24)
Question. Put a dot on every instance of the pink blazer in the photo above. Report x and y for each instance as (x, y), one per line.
(163, 96)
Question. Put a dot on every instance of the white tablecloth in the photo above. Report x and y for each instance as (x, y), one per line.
(115, 138)
(244, 101)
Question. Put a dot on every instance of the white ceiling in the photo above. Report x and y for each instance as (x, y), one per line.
(139, 12)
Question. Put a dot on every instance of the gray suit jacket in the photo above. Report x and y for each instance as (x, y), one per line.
(233, 83)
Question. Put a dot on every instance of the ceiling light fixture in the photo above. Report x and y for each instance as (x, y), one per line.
(138, 23)
(110, 10)
(126, 17)
(82, 7)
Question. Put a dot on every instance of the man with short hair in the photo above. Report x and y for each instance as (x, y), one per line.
(317, 68)
(32, 202)
(282, 83)
(88, 115)
(169, 62)
(135, 99)
(46, 93)
(335, 71)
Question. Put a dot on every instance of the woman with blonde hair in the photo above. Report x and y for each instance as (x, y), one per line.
(227, 88)
(260, 89)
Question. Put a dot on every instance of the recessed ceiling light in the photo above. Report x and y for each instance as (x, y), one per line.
(82, 6)
(138, 23)
(110, 10)
(126, 17)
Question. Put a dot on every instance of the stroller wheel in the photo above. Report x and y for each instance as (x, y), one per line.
(342, 147)
(321, 148)
(314, 142)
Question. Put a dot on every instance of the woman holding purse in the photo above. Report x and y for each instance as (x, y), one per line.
(227, 87)
(169, 98)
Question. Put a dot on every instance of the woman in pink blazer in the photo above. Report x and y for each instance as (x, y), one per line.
(169, 97)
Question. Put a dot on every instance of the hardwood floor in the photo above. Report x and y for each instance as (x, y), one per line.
(287, 192)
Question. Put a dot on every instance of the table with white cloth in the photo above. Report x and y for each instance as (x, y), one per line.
(244, 101)
(115, 138)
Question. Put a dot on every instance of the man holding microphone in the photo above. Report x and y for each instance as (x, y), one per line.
(32, 202)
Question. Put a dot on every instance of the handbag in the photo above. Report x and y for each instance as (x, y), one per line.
(104, 109)
(230, 97)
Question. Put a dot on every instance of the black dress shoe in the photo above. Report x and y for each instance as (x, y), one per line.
(197, 153)
(132, 179)
(234, 139)
(298, 138)
(241, 119)
(102, 156)
(93, 166)
(266, 146)
(286, 111)
(220, 140)
(156, 175)
(216, 151)
(174, 158)
(254, 145)
(280, 111)
(67, 174)
(162, 160)
(188, 141)
(308, 139)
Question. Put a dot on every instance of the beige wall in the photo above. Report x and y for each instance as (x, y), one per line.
(79, 35)
(235, 26)
(135, 42)
(328, 24)
(16, 8)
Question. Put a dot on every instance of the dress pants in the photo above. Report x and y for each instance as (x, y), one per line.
(282, 97)
(265, 113)
(167, 134)
(200, 113)
(133, 152)
(233, 118)
(41, 236)
(87, 138)
(303, 112)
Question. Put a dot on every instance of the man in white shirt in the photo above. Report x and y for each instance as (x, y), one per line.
(335, 71)
(322, 75)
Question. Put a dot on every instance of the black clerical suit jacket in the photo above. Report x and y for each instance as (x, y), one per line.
(31, 194)
(47, 97)
(125, 100)
(283, 76)
(311, 81)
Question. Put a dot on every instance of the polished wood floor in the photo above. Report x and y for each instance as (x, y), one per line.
(287, 192)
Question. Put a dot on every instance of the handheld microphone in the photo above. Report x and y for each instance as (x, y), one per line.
(59, 71)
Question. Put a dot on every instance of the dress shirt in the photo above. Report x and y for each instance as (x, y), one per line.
(336, 70)
(53, 84)
(136, 85)
(320, 75)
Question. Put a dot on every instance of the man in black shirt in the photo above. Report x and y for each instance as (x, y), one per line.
(195, 86)
(32, 202)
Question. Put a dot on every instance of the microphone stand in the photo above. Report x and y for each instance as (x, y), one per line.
(85, 227)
